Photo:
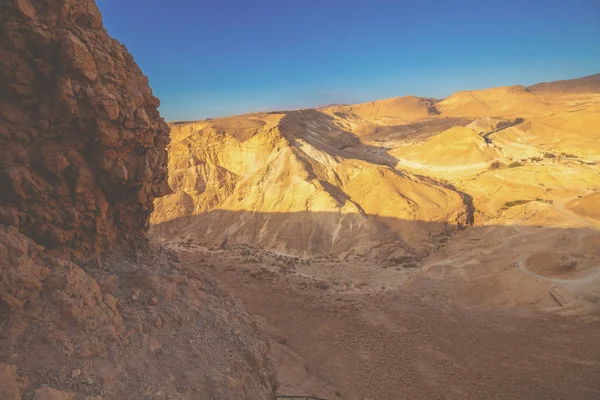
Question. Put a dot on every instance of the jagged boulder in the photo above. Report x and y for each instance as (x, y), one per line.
(82, 144)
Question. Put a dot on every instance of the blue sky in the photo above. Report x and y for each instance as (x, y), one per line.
(209, 58)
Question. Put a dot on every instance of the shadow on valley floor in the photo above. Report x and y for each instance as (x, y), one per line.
(561, 252)
(308, 233)
(419, 130)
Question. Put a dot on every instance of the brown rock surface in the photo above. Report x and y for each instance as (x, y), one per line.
(72, 175)
(47, 393)
(10, 386)
(36, 287)
(82, 158)
(126, 327)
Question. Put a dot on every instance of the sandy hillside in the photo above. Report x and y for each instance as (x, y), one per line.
(406, 247)
(291, 185)
(379, 179)
(502, 101)
(586, 85)
(440, 151)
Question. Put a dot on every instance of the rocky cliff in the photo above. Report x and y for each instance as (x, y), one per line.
(82, 145)
(82, 158)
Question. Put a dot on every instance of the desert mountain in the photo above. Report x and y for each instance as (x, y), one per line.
(375, 179)
(441, 150)
(407, 247)
(586, 84)
(502, 101)
(294, 183)
(384, 111)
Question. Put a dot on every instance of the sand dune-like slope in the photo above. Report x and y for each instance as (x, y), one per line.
(503, 101)
(289, 185)
(588, 206)
(406, 107)
(566, 130)
(455, 148)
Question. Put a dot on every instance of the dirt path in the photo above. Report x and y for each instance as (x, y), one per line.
(397, 345)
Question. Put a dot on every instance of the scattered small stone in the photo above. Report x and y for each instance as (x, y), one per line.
(160, 395)
(561, 295)
(154, 345)
(75, 373)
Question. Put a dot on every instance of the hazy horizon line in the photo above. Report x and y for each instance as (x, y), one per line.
(289, 108)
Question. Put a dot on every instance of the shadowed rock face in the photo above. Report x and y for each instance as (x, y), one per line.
(82, 158)
(126, 326)
(82, 145)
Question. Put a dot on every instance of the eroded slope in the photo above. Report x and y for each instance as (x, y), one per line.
(296, 184)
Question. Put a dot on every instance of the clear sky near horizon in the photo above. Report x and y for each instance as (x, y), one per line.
(209, 58)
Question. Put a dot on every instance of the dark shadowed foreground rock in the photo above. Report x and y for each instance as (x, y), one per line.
(152, 328)
(82, 158)
(82, 145)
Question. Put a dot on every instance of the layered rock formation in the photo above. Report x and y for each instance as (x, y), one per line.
(82, 158)
(82, 145)
(383, 179)
(299, 183)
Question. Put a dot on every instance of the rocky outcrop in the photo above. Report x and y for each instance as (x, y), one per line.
(153, 328)
(36, 286)
(82, 144)
(82, 158)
